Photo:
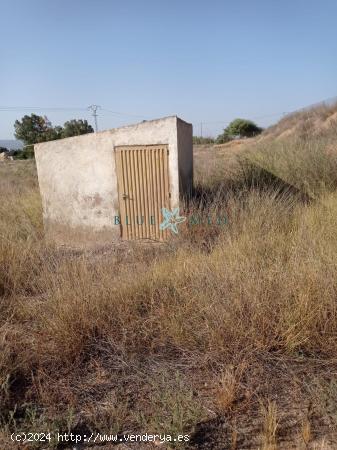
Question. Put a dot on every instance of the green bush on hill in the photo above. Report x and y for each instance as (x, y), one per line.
(239, 128)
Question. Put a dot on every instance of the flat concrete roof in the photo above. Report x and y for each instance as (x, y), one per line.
(143, 122)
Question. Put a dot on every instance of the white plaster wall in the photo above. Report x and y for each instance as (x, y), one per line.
(77, 176)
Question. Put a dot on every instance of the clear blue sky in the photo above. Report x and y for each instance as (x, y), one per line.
(207, 61)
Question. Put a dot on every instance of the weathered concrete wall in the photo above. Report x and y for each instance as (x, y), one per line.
(78, 181)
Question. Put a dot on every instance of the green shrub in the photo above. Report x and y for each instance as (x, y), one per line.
(26, 153)
(239, 128)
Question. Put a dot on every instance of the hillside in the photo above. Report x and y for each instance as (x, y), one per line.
(314, 121)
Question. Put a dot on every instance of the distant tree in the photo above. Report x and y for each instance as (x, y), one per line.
(33, 129)
(52, 134)
(18, 154)
(202, 140)
(26, 153)
(241, 128)
(75, 128)
(3, 149)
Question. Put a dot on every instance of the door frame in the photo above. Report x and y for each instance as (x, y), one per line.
(130, 169)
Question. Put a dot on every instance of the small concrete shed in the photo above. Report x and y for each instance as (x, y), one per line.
(112, 185)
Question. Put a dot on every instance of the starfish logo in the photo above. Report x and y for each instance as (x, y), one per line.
(171, 220)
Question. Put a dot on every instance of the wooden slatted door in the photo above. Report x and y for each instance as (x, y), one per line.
(143, 190)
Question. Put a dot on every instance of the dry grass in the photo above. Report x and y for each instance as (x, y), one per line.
(222, 317)
(308, 164)
(270, 425)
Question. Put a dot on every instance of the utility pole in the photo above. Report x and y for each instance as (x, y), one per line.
(94, 109)
(201, 129)
(47, 121)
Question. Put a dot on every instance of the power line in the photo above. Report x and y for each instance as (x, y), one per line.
(326, 102)
(94, 109)
(225, 122)
(39, 108)
(123, 114)
(60, 109)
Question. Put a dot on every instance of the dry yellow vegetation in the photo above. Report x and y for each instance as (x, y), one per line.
(228, 333)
